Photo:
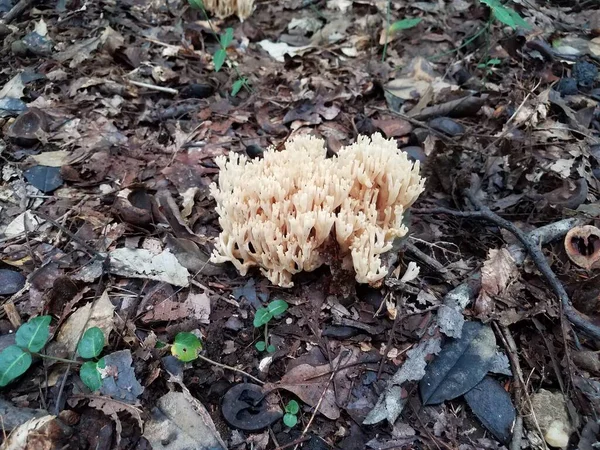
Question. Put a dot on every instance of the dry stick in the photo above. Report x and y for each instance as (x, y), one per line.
(224, 366)
(154, 87)
(484, 213)
(312, 417)
(17, 10)
(511, 346)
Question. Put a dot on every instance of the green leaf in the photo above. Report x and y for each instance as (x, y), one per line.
(186, 346)
(507, 16)
(219, 59)
(197, 4)
(227, 37)
(277, 307)
(14, 362)
(271, 349)
(235, 88)
(34, 334)
(91, 343)
(262, 317)
(90, 375)
(260, 346)
(292, 407)
(518, 19)
(160, 344)
(290, 420)
(405, 24)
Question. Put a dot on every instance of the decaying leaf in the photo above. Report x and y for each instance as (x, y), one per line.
(119, 381)
(461, 364)
(493, 407)
(309, 383)
(95, 314)
(141, 263)
(391, 402)
(112, 407)
(183, 422)
(498, 271)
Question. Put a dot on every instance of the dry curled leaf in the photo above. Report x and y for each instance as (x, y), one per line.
(582, 245)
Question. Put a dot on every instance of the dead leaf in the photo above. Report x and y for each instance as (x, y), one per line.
(498, 271)
(309, 383)
(112, 407)
(141, 263)
(184, 421)
(95, 314)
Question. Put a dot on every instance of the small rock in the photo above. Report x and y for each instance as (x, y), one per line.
(11, 281)
(415, 153)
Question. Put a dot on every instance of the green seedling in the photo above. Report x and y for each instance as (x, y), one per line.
(32, 337)
(290, 419)
(220, 56)
(489, 65)
(262, 318)
(187, 346)
(506, 15)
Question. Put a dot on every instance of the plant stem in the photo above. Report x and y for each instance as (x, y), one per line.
(266, 336)
(55, 358)
(216, 36)
(464, 44)
(225, 366)
(387, 30)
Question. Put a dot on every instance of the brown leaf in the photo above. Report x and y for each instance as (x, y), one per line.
(309, 383)
(498, 271)
(393, 127)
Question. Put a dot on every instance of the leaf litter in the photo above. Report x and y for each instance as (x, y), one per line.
(487, 95)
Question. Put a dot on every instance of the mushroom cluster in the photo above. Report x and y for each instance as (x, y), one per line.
(225, 8)
(283, 212)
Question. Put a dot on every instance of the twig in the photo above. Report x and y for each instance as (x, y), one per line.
(294, 442)
(434, 264)
(521, 388)
(154, 87)
(225, 366)
(88, 249)
(484, 213)
(314, 413)
(17, 10)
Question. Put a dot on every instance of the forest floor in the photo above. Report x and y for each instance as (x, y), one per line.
(112, 115)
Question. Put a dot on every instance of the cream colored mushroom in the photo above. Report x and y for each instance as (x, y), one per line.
(283, 212)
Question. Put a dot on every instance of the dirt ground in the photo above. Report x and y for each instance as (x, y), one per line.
(483, 335)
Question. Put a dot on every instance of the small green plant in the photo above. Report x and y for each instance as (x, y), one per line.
(489, 65)
(220, 55)
(187, 346)
(32, 337)
(90, 346)
(263, 316)
(290, 419)
(506, 15)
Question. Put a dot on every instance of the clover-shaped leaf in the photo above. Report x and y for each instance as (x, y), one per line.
(34, 334)
(91, 343)
(186, 346)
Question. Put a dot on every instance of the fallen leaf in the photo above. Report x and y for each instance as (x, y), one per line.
(141, 263)
(184, 421)
(119, 381)
(277, 50)
(498, 271)
(95, 314)
(112, 407)
(493, 407)
(310, 383)
(461, 364)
